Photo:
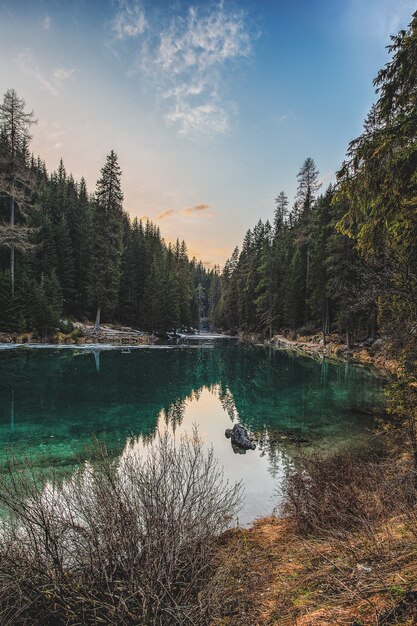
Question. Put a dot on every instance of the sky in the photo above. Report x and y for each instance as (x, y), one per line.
(212, 107)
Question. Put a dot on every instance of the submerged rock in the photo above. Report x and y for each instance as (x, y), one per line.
(240, 438)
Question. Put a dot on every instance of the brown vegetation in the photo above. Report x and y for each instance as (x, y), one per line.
(142, 542)
(129, 542)
(345, 556)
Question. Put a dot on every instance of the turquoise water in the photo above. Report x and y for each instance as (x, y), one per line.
(53, 401)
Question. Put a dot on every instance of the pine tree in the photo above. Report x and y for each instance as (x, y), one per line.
(281, 212)
(108, 240)
(15, 177)
(308, 185)
(153, 315)
(318, 296)
(378, 185)
(80, 226)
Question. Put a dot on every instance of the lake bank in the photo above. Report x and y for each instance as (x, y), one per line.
(78, 333)
(375, 355)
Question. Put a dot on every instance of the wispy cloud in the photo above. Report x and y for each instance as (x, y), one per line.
(203, 39)
(188, 57)
(380, 18)
(62, 73)
(327, 178)
(53, 133)
(50, 80)
(196, 209)
(192, 59)
(27, 64)
(129, 20)
(47, 22)
(165, 214)
(285, 117)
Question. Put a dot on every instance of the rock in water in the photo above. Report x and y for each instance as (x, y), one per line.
(240, 437)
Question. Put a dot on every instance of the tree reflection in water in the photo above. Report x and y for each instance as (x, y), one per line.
(53, 401)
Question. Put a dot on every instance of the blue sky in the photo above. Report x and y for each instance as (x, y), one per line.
(212, 107)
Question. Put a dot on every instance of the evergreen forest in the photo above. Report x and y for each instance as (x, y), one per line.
(337, 260)
(68, 253)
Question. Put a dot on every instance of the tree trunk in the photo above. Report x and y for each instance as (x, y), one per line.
(327, 326)
(97, 324)
(306, 308)
(413, 440)
(270, 298)
(373, 320)
(349, 338)
(12, 250)
(326, 321)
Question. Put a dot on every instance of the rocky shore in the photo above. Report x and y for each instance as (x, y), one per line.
(376, 354)
(79, 333)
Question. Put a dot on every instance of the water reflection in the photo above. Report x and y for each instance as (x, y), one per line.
(53, 401)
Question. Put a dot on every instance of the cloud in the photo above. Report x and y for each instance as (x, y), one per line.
(327, 178)
(197, 208)
(380, 18)
(187, 56)
(129, 21)
(28, 66)
(46, 24)
(285, 117)
(63, 74)
(164, 214)
(49, 81)
(191, 61)
(54, 134)
(209, 118)
(206, 38)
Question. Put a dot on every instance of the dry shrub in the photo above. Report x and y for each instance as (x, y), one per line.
(130, 541)
(344, 491)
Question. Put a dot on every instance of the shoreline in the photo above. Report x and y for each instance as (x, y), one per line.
(114, 336)
(376, 355)
(80, 335)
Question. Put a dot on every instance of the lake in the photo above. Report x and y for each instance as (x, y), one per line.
(54, 400)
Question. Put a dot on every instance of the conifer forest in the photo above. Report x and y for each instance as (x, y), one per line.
(341, 259)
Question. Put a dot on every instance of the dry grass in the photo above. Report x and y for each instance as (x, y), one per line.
(278, 577)
(346, 556)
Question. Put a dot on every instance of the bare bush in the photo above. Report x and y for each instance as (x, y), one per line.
(329, 495)
(130, 541)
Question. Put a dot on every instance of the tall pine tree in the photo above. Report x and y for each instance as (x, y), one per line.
(108, 240)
